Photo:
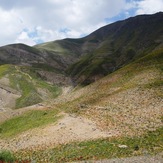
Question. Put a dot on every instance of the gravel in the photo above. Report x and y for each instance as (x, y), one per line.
(136, 159)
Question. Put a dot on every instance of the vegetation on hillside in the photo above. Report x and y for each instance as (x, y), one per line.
(29, 120)
(150, 143)
(6, 156)
(118, 44)
(26, 81)
(117, 73)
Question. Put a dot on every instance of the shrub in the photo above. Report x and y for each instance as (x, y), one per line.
(6, 156)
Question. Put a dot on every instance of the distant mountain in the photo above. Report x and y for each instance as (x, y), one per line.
(115, 45)
(110, 47)
(81, 61)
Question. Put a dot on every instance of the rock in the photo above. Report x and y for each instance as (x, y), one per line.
(122, 146)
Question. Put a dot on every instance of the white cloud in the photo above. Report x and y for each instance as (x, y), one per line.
(149, 6)
(24, 37)
(10, 26)
(45, 19)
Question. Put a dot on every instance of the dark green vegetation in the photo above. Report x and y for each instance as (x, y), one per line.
(6, 156)
(29, 120)
(150, 143)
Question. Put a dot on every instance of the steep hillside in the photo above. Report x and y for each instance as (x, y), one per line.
(117, 113)
(110, 47)
(121, 112)
(82, 61)
(128, 101)
(21, 54)
(29, 76)
(113, 46)
(45, 63)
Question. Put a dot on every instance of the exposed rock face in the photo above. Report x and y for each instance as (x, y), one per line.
(55, 78)
(17, 54)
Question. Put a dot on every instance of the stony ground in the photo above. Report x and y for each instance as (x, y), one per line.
(70, 128)
(114, 111)
(137, 159)
(131, 111)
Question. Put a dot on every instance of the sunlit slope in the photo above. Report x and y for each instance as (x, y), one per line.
(128, 101)
(21, 86)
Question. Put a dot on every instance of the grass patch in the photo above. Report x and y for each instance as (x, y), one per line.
(29, 92)
(23, 84)
(45, 67)
(6, 156)
(151, 143)
(26, 81)
(38, 82)
(29, 120)
(4, 69)
(28, 99)
(52, 47)
(53, 89)
(156, 83)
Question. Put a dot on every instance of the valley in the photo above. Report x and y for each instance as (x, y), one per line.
(93, 98)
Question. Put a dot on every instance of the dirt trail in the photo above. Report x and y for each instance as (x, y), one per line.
(68, 129)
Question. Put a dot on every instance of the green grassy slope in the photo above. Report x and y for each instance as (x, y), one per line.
(32, 88)
(124, 76)
(63, 47)
(29, 120)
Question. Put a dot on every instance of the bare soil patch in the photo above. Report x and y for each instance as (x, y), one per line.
(69, 129)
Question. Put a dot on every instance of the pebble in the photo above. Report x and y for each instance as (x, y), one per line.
(122, 146)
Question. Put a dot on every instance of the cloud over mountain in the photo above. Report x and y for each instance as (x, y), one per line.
(32, 22)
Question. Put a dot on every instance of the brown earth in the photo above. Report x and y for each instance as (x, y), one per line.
(68, 129)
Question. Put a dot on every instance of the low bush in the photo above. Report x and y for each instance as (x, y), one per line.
(6, 156)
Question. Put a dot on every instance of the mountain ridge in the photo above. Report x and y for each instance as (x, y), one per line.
(103, 92)
(72, 62)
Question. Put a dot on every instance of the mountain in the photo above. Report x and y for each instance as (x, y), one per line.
(103, 92)
(116, 45)
(110, 47)
(72, 62)
(128, 101)
(29, 76)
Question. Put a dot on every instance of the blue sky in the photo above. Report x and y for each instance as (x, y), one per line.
(36, 21)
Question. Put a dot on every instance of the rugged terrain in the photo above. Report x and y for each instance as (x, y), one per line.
(105, 87)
